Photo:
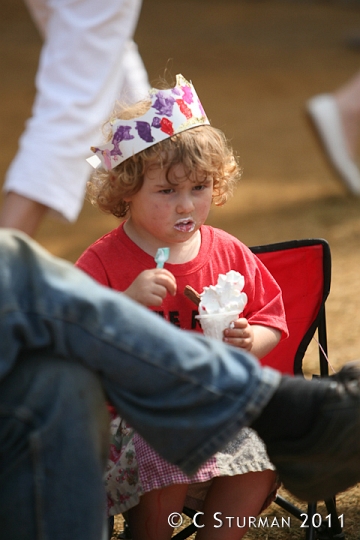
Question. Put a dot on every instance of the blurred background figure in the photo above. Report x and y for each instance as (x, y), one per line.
(88, 60)
(336, 119)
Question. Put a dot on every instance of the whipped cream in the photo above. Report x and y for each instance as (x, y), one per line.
(225, 296)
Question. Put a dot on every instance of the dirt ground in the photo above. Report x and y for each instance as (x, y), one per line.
(254, 64)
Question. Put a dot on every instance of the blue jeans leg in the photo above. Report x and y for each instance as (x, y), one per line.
(186, 394)
(53, 447)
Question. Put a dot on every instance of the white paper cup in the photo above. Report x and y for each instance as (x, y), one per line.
(214, 324)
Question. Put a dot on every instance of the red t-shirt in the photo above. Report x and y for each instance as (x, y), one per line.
(114, 260)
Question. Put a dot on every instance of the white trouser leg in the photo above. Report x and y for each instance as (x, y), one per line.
(86, 60)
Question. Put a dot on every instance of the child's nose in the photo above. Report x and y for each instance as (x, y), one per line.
(185, 203)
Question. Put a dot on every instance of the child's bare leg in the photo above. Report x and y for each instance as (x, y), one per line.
(149, 519)
(240, 496)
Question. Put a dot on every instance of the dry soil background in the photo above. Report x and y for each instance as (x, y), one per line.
(254, 64)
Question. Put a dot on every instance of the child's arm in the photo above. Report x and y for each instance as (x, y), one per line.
(151, 286)
(257, 339)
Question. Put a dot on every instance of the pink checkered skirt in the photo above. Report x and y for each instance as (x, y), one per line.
(134, 468)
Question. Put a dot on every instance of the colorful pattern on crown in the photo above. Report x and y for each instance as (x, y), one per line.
(172, 111)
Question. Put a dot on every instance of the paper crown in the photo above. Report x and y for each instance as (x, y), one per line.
(172, 111)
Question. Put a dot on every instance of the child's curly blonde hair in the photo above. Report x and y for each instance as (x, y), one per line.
(203, 151)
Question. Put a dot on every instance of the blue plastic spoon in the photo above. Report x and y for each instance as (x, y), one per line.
(162, 256)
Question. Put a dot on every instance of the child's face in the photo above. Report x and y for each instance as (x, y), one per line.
(170, 213)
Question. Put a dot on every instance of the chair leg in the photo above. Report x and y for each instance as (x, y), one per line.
(125, 533)
(335, 524)
(328, 529)
(311, 531)
(289, 507)
(110, 526)
(185, 533)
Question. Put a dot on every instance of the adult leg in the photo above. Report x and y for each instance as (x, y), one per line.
(22, 213)
(53, 446)
(87, 45)
(136, 83)
(167, 392)
(174, 386)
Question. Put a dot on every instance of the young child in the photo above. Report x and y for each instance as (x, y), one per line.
(162, 168)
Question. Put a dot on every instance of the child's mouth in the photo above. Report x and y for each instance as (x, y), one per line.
(185, 225)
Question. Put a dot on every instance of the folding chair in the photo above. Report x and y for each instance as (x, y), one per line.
(302, 268)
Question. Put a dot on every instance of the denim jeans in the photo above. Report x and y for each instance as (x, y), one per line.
(185, 394)
(53, 446)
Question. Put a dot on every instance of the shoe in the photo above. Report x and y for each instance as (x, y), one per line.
(327, 460)
(324, 115)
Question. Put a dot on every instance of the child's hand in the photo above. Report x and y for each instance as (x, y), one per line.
(151, 287)
(240, 335)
